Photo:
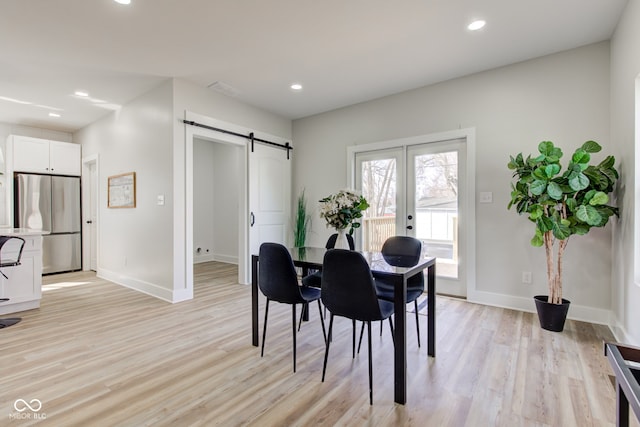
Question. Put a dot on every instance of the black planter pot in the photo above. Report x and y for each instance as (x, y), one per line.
(551, 316)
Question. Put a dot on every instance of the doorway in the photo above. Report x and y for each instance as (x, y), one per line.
(263, 187)
(420, 187)
(217, 188)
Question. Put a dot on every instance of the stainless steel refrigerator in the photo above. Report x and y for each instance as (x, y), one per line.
(51, 203)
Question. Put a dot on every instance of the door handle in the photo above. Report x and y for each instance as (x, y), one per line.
(410, 217)
(89, 222)
(253, 219)
(409, 227)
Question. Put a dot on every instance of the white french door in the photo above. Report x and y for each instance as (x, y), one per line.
(418, 190)
(377, 177)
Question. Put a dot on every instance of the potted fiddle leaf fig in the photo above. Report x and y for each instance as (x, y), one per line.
(561, 204)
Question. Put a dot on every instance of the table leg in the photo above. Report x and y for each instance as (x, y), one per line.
(305, 306)
(431, 310)
(400, 333)
(622, 413)
(254, 300)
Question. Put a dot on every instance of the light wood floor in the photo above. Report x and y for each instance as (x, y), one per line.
(99, 354)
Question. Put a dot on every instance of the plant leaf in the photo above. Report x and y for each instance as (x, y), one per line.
(581, 229)
(535, 212)
(545, 147)
(591, 147)
(579, 182)
(540, 173)
(538, 187)
(588, 214)
(607, 163)
(552, 170)
(537, 240)
(554, 191)
(581, 156)
(599, 198)
(561, 231)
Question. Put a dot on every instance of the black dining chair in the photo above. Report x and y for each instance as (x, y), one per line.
(402, 251)
(348, 290)
(314, 279)
(10, 255)
(278, 282)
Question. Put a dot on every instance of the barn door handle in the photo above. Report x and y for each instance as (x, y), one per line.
(253, 219)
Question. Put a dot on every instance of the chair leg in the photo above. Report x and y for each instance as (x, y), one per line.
(381, 322)
(415, 301)
(361, 333)
(353, 333)
(370, 365)
(302, 312)
(10, 321)
(393, 338)
(324, 333)
(293, 321)
(264, 330)
(326, 350)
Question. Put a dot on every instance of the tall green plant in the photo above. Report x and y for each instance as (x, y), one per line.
(302, 223)
(561, 204)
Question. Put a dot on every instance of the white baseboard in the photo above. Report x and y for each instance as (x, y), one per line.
(139, 285)
(576, 312)
(17, 306)
(198, 259)
(229, 259)
(226, 258)
(620, 333)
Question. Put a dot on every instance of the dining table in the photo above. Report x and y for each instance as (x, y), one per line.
(310, 258)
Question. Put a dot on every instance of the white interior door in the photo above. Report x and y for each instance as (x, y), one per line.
(93, 226)
(90, 192)
(269, 196)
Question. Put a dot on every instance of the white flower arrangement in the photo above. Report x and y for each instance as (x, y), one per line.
(343, 209)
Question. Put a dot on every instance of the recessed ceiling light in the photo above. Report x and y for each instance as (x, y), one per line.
(81, 93)
(476, 25)
(296, 86)
(54, 115)
(123, 1)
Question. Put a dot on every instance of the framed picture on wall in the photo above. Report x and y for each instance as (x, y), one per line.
(122, 191)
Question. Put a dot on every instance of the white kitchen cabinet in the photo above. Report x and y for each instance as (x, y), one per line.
(23, 285)
(64, 158)
(30, 154)
(44, 156)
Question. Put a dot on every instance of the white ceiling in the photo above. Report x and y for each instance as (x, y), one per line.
(342, 51)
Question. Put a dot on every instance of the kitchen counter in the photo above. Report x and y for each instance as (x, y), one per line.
(23, 285)
(21, 232)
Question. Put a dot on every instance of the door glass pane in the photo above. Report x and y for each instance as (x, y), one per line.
(436, 207)
(379, 188)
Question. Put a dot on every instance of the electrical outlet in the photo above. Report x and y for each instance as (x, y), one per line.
(526, 277)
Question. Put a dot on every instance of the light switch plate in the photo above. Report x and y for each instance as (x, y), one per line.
(486, 197)
(160, 199)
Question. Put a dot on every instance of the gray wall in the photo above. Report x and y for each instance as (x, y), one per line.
(135, 245)
(625, 72)
(562, 97)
